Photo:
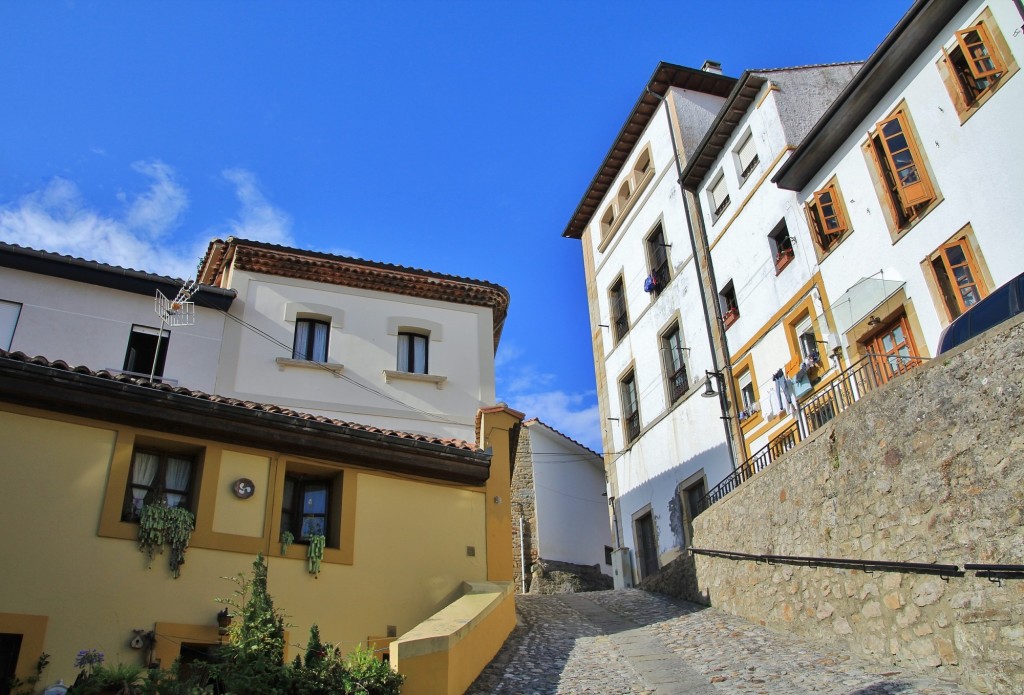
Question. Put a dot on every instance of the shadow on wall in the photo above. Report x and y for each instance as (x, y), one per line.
(660, 493)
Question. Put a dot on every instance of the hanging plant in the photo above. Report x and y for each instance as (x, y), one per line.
(315, 552)
(161, 525)
(287, 538)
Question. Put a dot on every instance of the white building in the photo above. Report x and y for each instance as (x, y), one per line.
(664, 444)
(560, 499)
(763, 266)
(104, 317)
(384, 345)
(924, 157)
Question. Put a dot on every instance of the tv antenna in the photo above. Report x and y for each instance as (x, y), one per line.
(174, 312)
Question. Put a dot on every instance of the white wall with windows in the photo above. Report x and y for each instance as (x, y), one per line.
(679, 435)
(92, 325)
(570, 498)
(387, 360)
(971, 157)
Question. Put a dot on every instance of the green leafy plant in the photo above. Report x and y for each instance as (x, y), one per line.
(18, 686)
(120, 679)
(315, 552)
(372, 675)
(287, 538)
(161, 525)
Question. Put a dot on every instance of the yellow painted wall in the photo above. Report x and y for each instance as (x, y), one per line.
(410, 540)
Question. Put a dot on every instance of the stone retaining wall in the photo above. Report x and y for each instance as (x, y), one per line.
(928, 469)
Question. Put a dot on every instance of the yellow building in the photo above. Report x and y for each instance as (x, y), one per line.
(417, 527)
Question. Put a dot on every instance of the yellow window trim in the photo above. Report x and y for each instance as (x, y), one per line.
(32, 629)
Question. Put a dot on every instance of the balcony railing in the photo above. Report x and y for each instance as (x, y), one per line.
(863, 376)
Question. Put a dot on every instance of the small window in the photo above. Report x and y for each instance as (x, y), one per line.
(904, 180)
(607, 555)
(630, 407)
(625, 193)
(620, 319)
(158, 476)
(727, 303)
(311, 336)
(718, 196)
(147, 351)
(675, 364)
(642, 166)
(827, 216)
(956, 273)
(607, 221)
(657, 258)
(748, 395)
(781, 245)
(746, 156)
(976, 64)
(807, 340)
(9, 313)
(412, 353)
(306, 507)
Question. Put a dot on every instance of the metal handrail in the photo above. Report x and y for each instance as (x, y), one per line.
(872, 371)
(980, 569)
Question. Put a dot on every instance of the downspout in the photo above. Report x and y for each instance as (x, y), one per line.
(522, 546)
(700, 284)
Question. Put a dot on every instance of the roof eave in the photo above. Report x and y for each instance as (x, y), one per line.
(74, 393)
(880, 72)
(665, 76)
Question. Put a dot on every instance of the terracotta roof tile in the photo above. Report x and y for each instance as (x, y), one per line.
(144, 383)
(316, 266)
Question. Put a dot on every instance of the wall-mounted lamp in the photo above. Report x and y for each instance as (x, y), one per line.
(874, 320)
(709, 390)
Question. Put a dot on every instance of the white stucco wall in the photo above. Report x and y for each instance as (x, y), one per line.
(976, 166)
(362, 340)
(682, 440)
(89, 325)
(570, 498)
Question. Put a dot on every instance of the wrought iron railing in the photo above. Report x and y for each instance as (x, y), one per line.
(839, 394)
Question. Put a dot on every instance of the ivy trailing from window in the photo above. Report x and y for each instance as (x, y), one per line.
(161, 525)
(315, 552)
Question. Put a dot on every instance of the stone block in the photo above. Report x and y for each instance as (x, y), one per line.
(892, 600)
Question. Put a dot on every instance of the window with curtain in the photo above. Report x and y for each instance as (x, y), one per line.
(158, 476)
(311, 340)
(412, 353)
(306, 507)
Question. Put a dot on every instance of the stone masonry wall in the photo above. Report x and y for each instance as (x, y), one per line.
(928, 469)
(524, 504)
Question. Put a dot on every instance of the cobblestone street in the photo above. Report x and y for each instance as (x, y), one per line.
(632, 641)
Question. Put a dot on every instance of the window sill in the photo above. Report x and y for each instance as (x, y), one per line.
(393, 375)
(335, 369)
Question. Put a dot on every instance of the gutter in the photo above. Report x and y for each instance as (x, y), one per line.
(169, 409)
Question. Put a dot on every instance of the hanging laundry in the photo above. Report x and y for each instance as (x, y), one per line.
(650, 284)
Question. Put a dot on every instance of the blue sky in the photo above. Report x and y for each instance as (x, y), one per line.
(453, 136)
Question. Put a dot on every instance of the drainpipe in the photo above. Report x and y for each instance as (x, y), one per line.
(522, 545)
(700, 284)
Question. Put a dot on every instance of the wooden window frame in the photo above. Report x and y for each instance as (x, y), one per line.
(300, 485)
(973, 260)
(340, 536)
(893, 139)
(630, 407)
(969, 88)
(657, 259)
(728, 304)
(306, 353)
(618, 309)
(414, 338)
(672, 371)
(826, 206)
(159, 487)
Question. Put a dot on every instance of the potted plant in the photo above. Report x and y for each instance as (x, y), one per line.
(161, 525)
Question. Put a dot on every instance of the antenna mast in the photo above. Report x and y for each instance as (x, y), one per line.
(174, 312)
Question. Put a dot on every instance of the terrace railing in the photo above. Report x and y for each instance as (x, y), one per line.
(841, 393)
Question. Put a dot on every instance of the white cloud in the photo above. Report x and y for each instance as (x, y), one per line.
(526, 388)
(57, 218)
(158, 210)
(257, 219)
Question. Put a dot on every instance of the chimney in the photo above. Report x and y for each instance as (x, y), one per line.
(712, 66)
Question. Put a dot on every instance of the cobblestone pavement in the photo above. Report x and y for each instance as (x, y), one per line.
(632, 641)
